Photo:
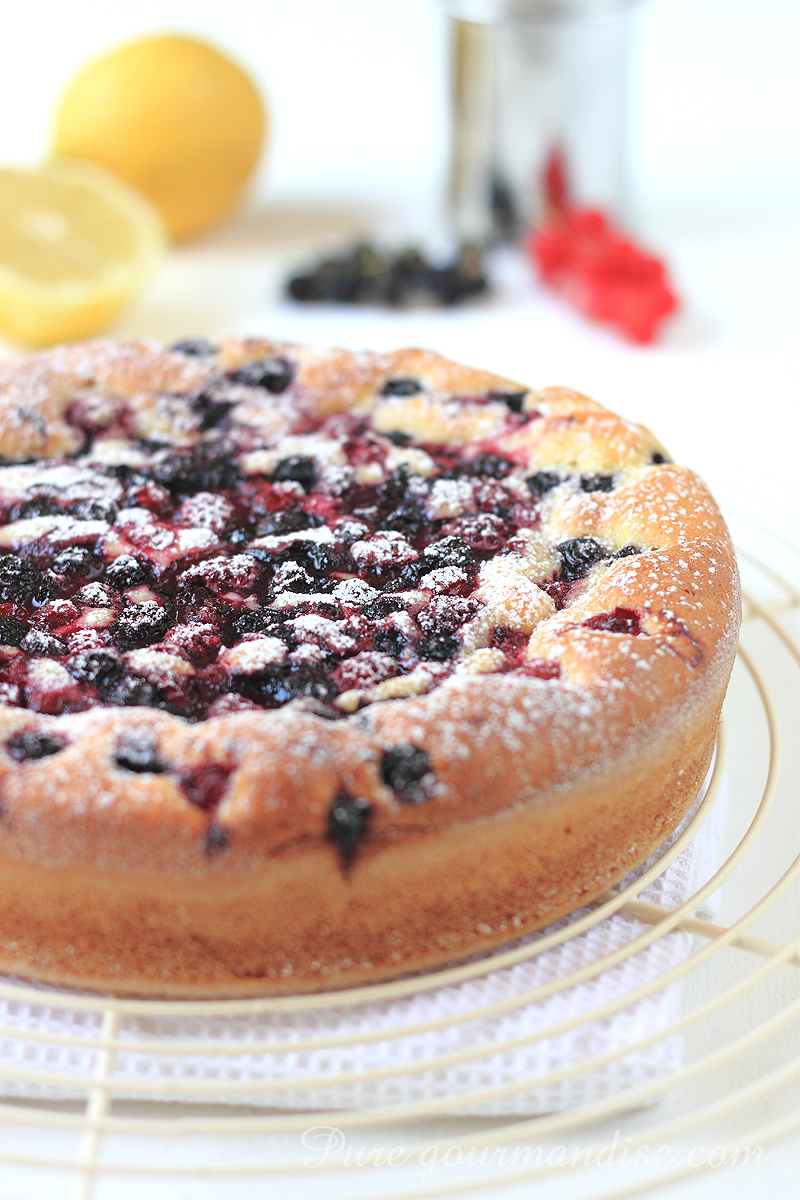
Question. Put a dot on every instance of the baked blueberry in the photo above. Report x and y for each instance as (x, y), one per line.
(348, 817)
(297, 469)
(273, 374)
(194, 347)
(542, 482)
(211, 409)
(137, 751)
(578, 556)
(376, 610)
(25, 745)
(514, 400)
(490, 466)
(597, 483)
(407, 770)
(389, 641)
(217, 838)
(401, 387)
(291, 520)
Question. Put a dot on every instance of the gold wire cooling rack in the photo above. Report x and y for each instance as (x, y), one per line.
(739, 1081)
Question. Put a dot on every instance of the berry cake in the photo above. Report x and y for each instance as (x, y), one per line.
(320, 667)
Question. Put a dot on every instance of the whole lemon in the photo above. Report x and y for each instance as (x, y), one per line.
(174, 118)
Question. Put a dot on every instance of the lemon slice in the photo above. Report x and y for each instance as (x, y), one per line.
(76, 245)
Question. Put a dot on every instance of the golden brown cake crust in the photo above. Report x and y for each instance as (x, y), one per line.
(543, 789)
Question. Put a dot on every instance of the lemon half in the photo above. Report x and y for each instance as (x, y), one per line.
(174, 118)
(76, 245)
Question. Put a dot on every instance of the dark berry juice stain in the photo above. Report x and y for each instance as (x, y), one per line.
(348, 818)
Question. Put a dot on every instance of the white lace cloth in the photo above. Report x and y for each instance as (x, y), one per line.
(396, 1053)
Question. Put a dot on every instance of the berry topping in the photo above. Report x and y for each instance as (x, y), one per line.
(347, 823)
(253, 552)
(365, 670)
(203, 468)
(401, 387)
(621, 620)
(389, 641)
(137, 751)
(407, 771)
(578, 556)
(273, 374)
(24, 745)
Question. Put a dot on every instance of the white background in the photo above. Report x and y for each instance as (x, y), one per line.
(357, 92)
